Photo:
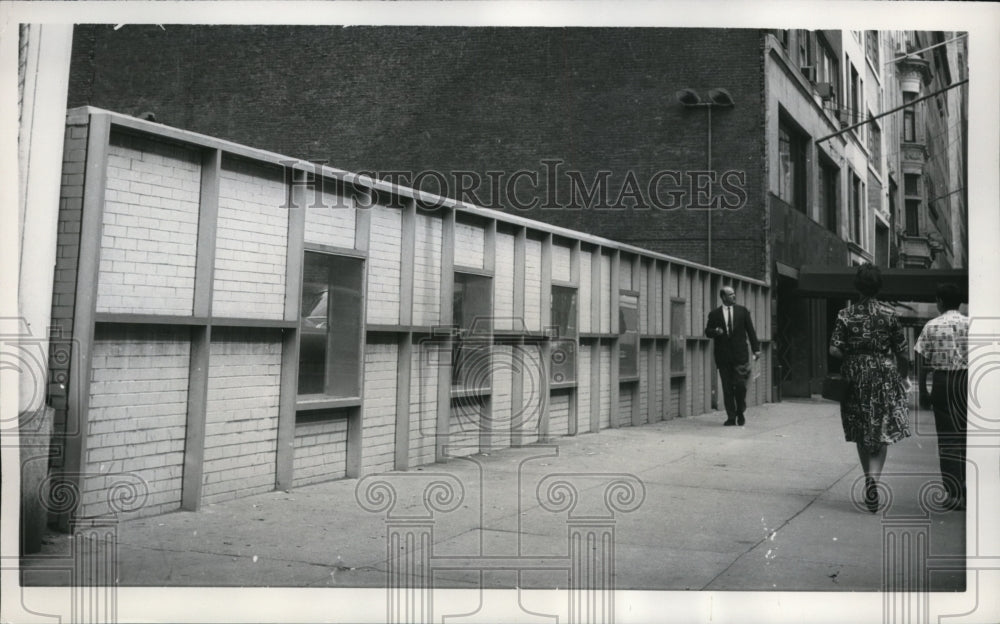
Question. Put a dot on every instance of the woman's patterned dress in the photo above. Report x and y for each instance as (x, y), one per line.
(874, 411)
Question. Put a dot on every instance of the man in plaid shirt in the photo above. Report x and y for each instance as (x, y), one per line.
(943, 345)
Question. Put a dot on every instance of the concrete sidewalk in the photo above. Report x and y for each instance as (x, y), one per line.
(689, 505)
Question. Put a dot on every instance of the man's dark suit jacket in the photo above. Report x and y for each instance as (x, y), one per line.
(732, 350)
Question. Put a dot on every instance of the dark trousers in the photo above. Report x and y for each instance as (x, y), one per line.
(734, 391)
(949, 398)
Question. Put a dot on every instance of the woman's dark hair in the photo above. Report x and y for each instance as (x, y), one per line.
(868, 279)
(950, 296)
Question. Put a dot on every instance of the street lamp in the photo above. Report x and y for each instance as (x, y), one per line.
(717, 98)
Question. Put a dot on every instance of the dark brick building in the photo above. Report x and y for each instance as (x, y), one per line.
(576, 127)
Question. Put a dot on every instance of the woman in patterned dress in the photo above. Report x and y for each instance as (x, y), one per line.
(869, 338)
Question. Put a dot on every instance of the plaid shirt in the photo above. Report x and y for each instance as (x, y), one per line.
(945, 341)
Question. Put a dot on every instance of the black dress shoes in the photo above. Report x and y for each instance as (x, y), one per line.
(740, 420)
(729, 422)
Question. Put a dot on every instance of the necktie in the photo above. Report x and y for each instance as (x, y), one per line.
(729, 320)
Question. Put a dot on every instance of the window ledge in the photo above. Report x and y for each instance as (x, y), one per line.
(464, 393)
(562, 386)
(308, 402)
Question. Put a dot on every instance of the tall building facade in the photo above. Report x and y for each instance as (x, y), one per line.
(866, 139)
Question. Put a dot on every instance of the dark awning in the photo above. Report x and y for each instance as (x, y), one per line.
(837, 282)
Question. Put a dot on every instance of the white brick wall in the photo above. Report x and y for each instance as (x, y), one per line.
(502, 377)
(625, 398)
(241, 423)
(470, 245)
(659, 323)
(584, 298)
(583, 390)
(383, 265)
(503, 281)
(150, 228)
(625, 273)
(606, 294)
(427, 271)
(320, 451)
(643, 383)
(561, 263)
(660, 373)
(642, 285)
(532, 391)
(559, 414)
(137, 416)
(423, 404)
(533, 285)
(605, 415)
(250, 243)
(332, 224)
(378, 419)
(464, 427)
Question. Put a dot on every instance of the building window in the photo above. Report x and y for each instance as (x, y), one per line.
(782, 36)
(913, 192)
(828, 73)
(805, 51)
(871, 48)
(828, 195)
(628, 338)
(677, 337)
(854, 97)
(912, 217)
(909, 119)
(562, 354)
(471, 315)
(856, 204)
(875, 143)
(792, 167)
(331, 326)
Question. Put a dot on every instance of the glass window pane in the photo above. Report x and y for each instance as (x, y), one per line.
(471, 351)
(562, 367)
(330, 325)
(677, 338)
(628, 341)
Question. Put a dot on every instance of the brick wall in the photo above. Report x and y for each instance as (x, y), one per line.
(533, 284)
(470, 244)
(561, 263)
(502, 386)
(383, 265)
(251, 238)
(625, 398)
(606, 294)
(661, 363)
(378, 416)
(464, 426)
(583, 294)
(423, 403)
(586, 108)
(150, 229)
(241, 423)
(531, 397)
(583, 389)
(333, 222)
(138, 411)
(641, 284)
(320, 451)
(503, 281)
(427, 271)
(559, 413)
(605, 355)
(643, 385)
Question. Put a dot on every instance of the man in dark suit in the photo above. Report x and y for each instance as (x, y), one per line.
(730, 326)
